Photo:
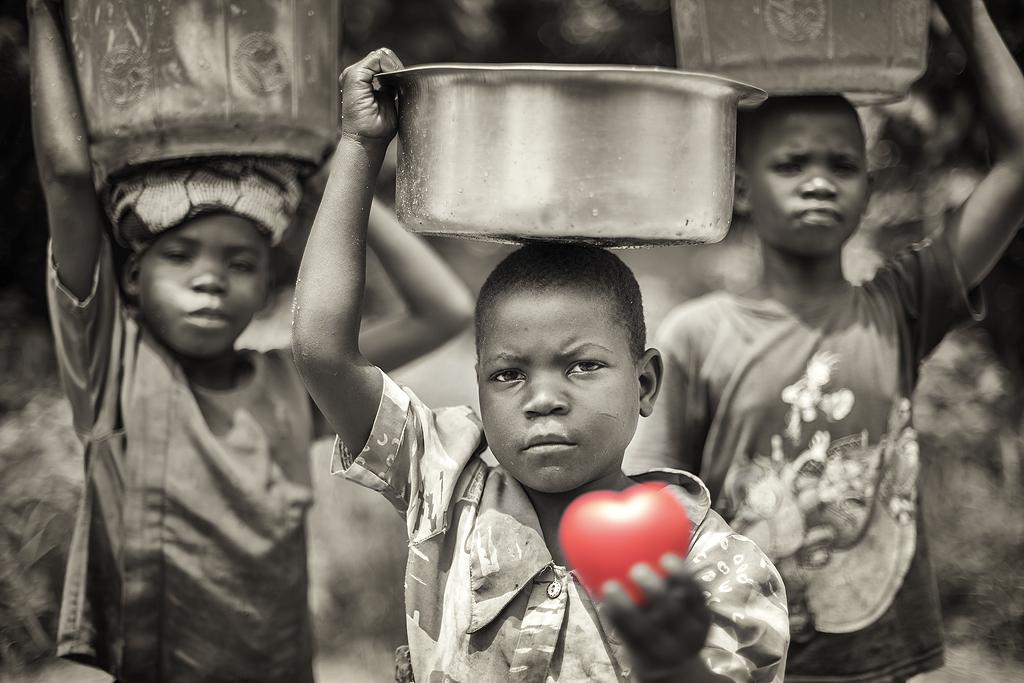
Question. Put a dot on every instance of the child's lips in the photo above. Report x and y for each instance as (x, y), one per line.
(549, 448)
(209, 317)
(820, 216)
(548, 444)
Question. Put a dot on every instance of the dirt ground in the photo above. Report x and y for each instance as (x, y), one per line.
(963, 664)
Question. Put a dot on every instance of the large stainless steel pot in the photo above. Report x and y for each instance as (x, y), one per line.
(610, 155)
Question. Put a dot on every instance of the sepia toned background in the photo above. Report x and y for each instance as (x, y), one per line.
(926, 153)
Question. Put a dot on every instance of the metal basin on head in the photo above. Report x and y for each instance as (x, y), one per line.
(618, 156)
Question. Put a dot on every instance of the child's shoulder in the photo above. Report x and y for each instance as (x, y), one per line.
(696, 318)
(687, 488)
(713, 540)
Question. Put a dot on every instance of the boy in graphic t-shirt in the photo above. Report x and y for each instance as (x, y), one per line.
(792, 401)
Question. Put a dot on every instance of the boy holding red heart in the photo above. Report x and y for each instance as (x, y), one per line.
(563, 376)
(792, 401)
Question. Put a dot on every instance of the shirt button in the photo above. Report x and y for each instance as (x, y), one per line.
(554, 589)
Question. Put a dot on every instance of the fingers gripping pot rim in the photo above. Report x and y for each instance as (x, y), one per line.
(616, 156)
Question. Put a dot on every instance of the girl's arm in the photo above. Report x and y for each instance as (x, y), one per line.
(332, 277)
(62, 152)
(981, 229)
(439, 304)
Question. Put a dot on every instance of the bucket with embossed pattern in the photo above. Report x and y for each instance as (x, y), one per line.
(171, 79)
(870, 50)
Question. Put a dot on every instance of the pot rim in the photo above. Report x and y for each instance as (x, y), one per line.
(748, 96)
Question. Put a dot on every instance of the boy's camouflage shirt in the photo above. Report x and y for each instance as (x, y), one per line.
(484, 600)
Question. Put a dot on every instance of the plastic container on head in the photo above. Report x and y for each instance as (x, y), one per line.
(171, 79)
(870, 50)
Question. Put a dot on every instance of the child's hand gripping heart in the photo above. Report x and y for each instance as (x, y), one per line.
(605, 533)
(627, 549)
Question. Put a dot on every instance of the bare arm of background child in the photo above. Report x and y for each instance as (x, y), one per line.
(62, 152)
(980, 230)
(332, 277)
(439, 304)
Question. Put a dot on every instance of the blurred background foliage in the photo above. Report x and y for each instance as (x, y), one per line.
(926, 153)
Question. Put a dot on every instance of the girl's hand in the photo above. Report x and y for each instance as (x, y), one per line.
(665, 634)
(368, 111)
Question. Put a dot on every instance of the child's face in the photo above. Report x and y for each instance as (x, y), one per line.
(804, 180)
(560, 391)
(200, 284)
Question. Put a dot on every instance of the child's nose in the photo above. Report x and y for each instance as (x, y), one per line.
(544, 399)
(818, 187)
(209, 282)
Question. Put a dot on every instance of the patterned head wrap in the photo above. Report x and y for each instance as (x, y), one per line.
(264, 190)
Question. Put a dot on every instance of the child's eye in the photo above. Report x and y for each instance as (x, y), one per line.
(846, 166)
(243, 266)
(505, 376)
(585, 366)
(176, 255)
(787, 167)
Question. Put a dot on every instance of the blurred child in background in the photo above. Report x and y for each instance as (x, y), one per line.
(792, 401)
(563, 375)
(188, 561)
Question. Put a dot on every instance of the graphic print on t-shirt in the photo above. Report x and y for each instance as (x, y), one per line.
(835, 513)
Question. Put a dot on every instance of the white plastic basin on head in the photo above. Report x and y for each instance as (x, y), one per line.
(869, 50)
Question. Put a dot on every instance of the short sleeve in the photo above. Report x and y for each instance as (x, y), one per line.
(414, 456)
(87, 339)
(673, 434)
(925, 284)
(749, 633)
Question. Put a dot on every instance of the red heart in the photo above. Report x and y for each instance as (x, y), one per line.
(604, 533)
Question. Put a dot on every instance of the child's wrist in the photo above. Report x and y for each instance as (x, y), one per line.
(367, 142)
(33, 6)
(353, 146)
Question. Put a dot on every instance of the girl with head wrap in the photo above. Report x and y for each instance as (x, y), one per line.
(188, 556)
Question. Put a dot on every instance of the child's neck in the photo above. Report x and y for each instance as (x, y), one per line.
(797, 281)
(551, 506)
(220, 373)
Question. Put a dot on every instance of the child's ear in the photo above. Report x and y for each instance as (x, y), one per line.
(741, 194)
(130, 277)
(651, 370)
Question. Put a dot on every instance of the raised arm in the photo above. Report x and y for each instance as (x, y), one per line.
(62, 152)
(979, 231)
(439, 305)
(332, 276)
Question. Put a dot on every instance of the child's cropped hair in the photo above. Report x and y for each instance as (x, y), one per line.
(750, 121)
(545, 267)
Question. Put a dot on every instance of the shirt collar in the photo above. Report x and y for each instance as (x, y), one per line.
(507, 546)
(688, 489)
